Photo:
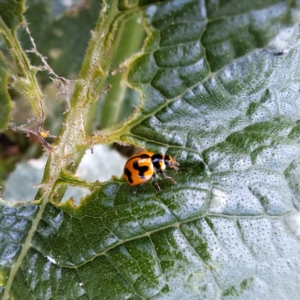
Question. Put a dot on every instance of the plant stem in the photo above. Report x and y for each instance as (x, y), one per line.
(95, 69)
(133, 34)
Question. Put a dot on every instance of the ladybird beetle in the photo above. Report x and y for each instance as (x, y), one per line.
(143, 166)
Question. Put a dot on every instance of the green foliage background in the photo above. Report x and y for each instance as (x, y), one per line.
(219, 89)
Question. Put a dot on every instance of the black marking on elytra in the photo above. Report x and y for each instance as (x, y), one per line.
(141, 169)
(157, 159)
(128, 175)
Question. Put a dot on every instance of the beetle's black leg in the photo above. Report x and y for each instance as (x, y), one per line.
(155, 181)
(167, 177)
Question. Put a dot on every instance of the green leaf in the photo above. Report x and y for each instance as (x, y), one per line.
(116, 106)
(11, 12)
(228, 107)
(5, 101)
